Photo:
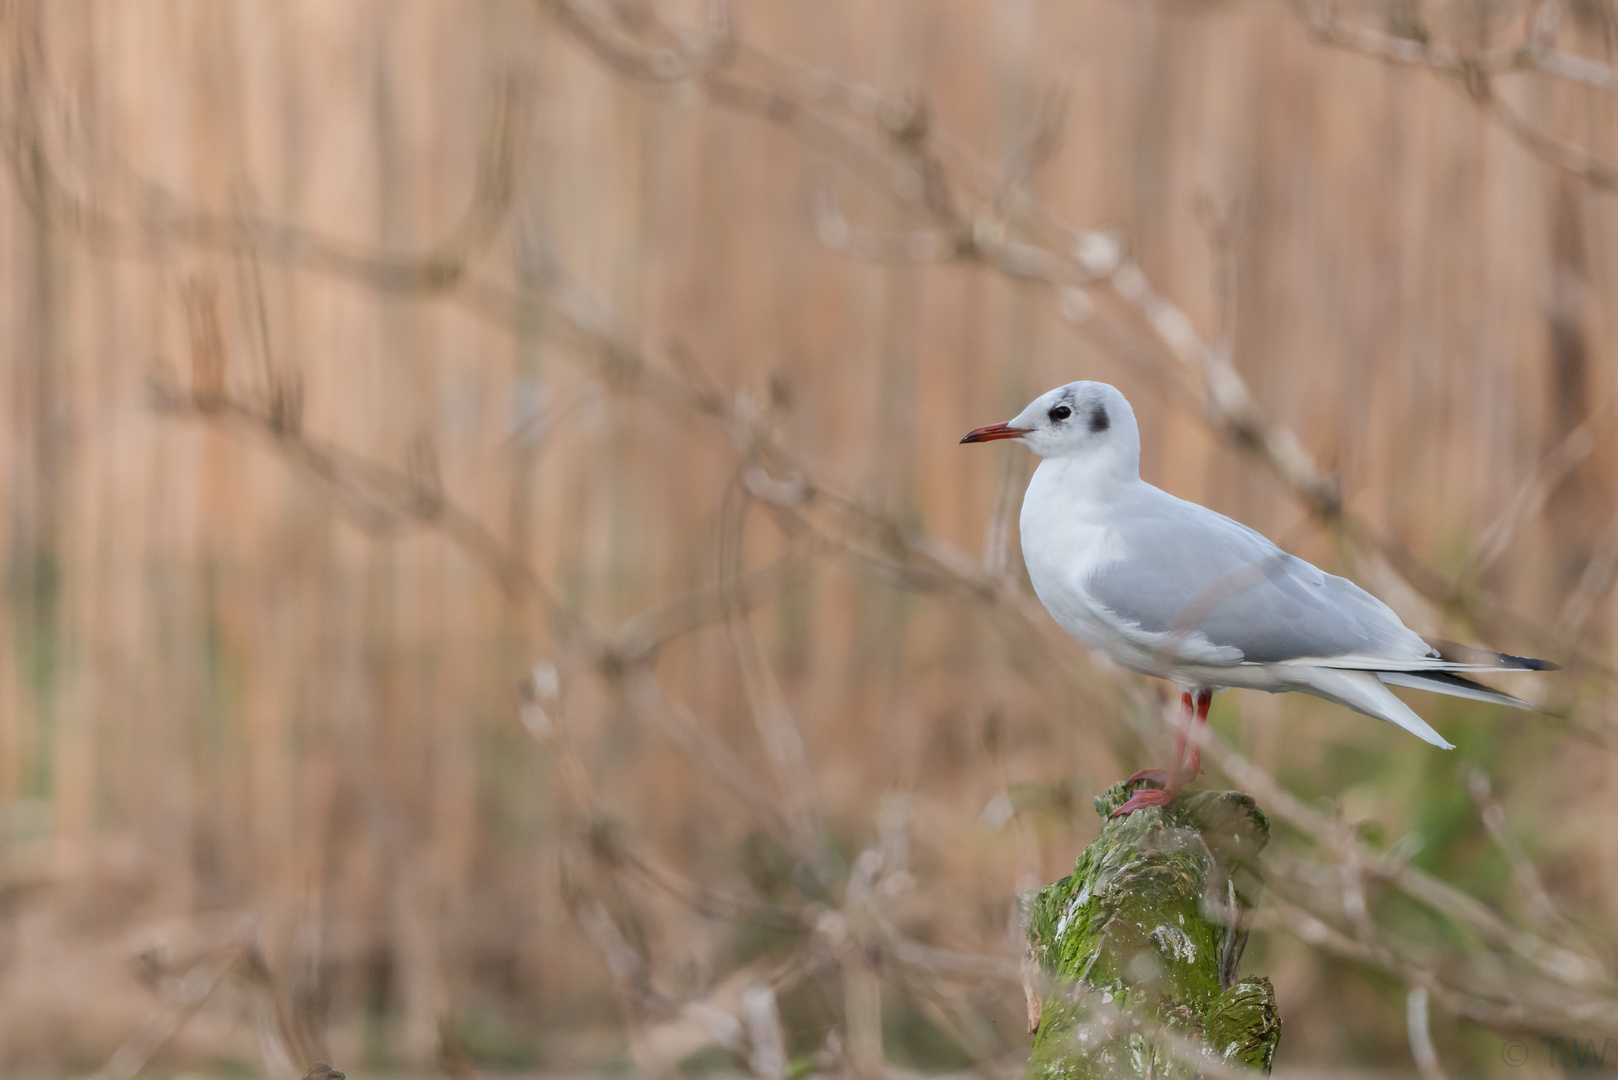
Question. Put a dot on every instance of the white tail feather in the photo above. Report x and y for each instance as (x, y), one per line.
(1363, 692)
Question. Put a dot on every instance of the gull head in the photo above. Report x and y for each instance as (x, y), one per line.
(1079, 420)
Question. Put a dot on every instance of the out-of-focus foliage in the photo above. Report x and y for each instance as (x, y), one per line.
(490, 581)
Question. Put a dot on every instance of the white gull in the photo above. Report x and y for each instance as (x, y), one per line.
(1172, 589)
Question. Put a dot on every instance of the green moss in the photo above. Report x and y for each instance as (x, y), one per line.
(1243, 1026)
(1143, 925)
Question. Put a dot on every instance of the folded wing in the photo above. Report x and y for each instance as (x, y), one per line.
(1190, 582)
(1184, 569)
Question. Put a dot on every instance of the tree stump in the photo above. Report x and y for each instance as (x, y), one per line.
(1136, 950)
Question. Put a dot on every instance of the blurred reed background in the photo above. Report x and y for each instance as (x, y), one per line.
(491, 582)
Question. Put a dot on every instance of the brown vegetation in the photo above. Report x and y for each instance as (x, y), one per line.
(491, 582)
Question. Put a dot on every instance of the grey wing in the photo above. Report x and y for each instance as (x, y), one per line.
(1185, 568)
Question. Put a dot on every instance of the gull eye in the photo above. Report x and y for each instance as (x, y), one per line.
(1060, 413)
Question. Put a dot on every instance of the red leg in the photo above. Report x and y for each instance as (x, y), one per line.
(1193, 760)
(1169, 781)
(1179, 737)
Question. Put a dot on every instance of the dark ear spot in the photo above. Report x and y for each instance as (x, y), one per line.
(1099, 421)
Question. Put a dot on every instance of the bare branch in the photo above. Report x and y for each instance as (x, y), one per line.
(1475, 72)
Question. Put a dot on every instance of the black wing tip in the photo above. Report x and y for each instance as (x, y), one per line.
(1450, 679)
(1467, 654)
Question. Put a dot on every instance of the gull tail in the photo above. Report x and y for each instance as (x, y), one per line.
(1447, 682)
(1363, 691)
(1440, 673)
(1484, 659)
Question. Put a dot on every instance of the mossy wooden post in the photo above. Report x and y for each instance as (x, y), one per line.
(1148, 930)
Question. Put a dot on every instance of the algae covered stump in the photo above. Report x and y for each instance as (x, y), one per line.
(1133, 956)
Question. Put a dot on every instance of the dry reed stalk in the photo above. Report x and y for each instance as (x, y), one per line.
(419, 254)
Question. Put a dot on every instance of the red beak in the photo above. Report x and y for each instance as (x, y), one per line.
(991, 432)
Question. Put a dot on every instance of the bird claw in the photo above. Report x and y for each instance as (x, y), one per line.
(1141, 800)
(1161, 795)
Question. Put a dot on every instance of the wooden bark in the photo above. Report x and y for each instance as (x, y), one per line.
(1133, 956)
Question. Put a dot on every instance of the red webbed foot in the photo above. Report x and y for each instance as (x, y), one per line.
(1160, 777)
(1142, 799)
